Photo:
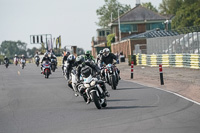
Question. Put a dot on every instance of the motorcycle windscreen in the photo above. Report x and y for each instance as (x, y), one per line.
(86, 71)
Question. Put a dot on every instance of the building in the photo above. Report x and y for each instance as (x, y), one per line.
(134, 22)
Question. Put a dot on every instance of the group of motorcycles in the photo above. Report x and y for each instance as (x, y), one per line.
(16, 62)
(92, 86)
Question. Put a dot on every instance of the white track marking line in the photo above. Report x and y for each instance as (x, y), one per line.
(168, 92)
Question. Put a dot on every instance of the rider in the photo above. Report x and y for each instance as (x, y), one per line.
(16, 58)
(45, 58)
(99, 56)
(88, 56)
(37, 56)
(71, 63)
(23, 58)
(107, 58)
(64, 59)
(54, 57)
(6, 60)
(81, 65)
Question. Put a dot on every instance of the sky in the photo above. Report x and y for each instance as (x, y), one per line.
(73, 20)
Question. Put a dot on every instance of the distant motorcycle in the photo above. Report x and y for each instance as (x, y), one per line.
(46, 67)
(6, 64)
(37, 61)
(53, 65)
(15, 61)
(23, 62)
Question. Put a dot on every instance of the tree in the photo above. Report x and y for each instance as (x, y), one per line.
(110, 7)
(149, 6)
(187, 15)
(10, 48)
(110, 39)
(170, 6)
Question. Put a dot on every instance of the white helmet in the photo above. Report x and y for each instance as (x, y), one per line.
(106, 52)
(22, 55)
(101, 52)
(15, 55)
(71, 57)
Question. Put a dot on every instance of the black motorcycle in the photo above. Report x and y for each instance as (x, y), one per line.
(6, 64)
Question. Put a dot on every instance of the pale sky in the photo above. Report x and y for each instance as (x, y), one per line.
(74, 20)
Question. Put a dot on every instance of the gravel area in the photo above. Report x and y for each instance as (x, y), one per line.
(184, 81)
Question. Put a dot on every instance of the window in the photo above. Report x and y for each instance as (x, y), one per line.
(152, 26)
(128, 28)
(101, 33)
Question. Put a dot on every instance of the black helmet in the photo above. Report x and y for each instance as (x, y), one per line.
(80, 59)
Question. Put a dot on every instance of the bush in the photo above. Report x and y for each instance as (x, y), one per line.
(110, 39)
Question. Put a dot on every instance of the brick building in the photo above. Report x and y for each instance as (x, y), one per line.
(132, 26)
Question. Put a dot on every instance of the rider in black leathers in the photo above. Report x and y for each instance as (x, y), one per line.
(81, 64)
(5, 60)
(71, 63)
(54, 57)
(107, 58)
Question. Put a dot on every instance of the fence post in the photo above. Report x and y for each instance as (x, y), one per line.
(161, 75)
(132, 63)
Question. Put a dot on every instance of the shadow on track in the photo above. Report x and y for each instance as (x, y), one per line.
(129, 107)
(119, 100)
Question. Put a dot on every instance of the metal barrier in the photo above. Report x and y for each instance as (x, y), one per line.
(172, 60)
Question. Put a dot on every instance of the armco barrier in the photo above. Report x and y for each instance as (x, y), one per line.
(173, 60)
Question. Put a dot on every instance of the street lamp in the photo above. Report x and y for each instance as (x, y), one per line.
(119, 26)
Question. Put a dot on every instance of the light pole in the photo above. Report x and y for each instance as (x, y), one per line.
(111, 16)
(119, 26)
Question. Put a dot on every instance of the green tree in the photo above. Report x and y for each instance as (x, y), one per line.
(32, 52)
(149, 6)
(170, 6)
(110, 39)
(188, 15)
(10, 48)
(110, 7)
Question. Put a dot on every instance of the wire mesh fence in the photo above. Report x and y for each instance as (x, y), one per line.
(186, 40)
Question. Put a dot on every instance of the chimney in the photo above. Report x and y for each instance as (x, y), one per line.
(137, 2)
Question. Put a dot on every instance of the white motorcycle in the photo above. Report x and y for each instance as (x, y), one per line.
(93, 89)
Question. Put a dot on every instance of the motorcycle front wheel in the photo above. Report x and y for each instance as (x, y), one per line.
(113, 85)
(96, 100)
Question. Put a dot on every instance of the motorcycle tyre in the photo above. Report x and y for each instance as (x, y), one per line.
(96, 100)
(104, 104)
(113, 85)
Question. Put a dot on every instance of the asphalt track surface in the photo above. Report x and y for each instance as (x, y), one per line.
(29, 103)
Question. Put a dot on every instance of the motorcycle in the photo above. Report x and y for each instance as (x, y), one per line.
(37, 61)
(46, 67)
(15, 61)
(53, 64)
(111, 76)
(6, 64)
(23, 62)
(93, 89)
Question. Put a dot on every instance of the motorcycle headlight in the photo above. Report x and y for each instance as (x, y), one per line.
(87, 85)
(93, 83)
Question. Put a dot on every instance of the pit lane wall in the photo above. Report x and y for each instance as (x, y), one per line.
(169, 60)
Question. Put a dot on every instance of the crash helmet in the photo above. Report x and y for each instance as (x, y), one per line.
(4, 56)
(46, 55)
(87, 53)
(15, 55)
(80, 59)
(101, 52)
(71, 58)
(106, 52)
(22, 55)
